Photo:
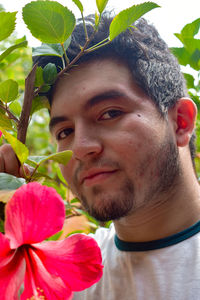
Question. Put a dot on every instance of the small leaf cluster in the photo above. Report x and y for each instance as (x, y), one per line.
(9, 88)
(189, 55)
(190, 52)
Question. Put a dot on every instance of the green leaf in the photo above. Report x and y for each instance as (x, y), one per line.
(195, 60)
(1, 226)
(90, 218)
(30, 161)
(56, 236)
(128, 16)
(60, 157)
(39, 103)
(67, 43)
(12, 48)
(49, 21)
(9, 182)
(96, 19)
(45, 88)
(179, 36)
(49, 73)
(75, 200)
(39, 77)
(74, 231)
(51, 49)
(191, 44)
(190, 81)
(48, 49)
(185, 57)
(79, 5)
(195, 98)
(7, 24)
(101, 4)
(20, 149)
(191, 29)
(5, 122)
(182, 55)
(40, 177)
(8, 90)
(15, 108)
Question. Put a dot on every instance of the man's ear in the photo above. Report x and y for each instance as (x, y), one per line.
(184, 116)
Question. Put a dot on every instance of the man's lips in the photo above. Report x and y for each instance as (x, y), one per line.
(95, 176)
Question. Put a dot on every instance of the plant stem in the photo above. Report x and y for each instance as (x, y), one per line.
(24, 173)
(85, 28)
(26, 108)
(65, 55)
(78, 55)
(97, 46)
(33, 173)
(63, 62)
(10, 114)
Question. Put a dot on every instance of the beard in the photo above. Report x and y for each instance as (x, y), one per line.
(122, 202)
(111, 207)
(168, 172)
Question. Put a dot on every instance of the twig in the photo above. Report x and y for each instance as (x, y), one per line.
(36, 92)
(26, 109)
(78, 56)
(10, 114)
(65, 55)
(84, 26)
(73, 61)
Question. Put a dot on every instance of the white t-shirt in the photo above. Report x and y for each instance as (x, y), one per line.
(166, 269)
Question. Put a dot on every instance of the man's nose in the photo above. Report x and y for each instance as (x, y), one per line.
(86, 142)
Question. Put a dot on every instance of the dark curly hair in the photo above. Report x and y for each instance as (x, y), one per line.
(153, 66)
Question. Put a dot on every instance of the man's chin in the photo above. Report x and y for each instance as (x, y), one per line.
(105, 205)
(109, 209)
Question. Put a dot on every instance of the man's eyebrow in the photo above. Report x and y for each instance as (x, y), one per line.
(55, 120)
(111, 94)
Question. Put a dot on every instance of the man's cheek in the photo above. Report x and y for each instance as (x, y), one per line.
(67, 174)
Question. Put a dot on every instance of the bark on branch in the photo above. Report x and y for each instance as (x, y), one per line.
(26, 109)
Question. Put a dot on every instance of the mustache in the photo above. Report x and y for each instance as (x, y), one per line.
(94, 163)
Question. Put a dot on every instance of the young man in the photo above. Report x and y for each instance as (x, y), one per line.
(125, 114)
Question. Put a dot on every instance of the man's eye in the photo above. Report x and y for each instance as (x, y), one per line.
(64, 133)
(111, 114)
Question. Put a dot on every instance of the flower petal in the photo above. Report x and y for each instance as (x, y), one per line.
(34, 213)
(40, 283)
(6, 253)
(77, 260)
(11, 277)
(4, 246)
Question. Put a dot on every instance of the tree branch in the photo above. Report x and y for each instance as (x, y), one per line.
(26, 109)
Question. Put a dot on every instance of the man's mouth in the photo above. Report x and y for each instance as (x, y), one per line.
(96, 176)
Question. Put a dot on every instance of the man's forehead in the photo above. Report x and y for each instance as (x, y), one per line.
(89, 84)
(90, 69)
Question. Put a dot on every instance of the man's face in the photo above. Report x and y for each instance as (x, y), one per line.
(124, 152)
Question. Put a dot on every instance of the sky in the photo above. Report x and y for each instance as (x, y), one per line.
(168, 19)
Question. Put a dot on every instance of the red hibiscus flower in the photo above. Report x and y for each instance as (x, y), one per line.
(49, 270)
